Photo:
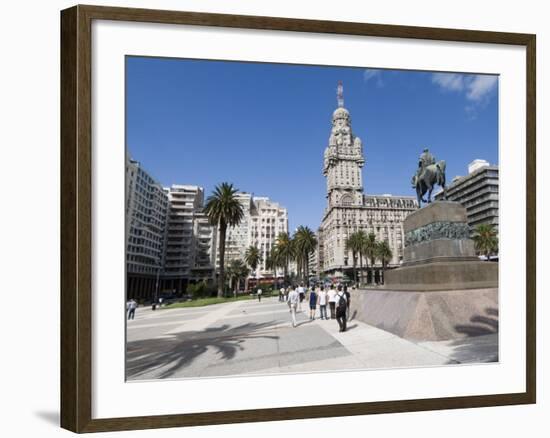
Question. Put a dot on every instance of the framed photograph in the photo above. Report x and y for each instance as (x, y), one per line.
(268, 219)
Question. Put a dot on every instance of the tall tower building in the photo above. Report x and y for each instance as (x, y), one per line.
(348, 208)
(343, 160)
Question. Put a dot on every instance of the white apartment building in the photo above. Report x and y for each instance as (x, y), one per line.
(262, 222)
(146, 210)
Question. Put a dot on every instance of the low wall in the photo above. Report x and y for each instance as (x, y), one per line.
(428, 315)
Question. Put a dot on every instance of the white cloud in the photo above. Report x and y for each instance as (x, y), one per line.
(449, 81)
(371, 73)
(476, 88)
(480, 86)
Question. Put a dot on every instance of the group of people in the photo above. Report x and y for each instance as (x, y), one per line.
(336, 299)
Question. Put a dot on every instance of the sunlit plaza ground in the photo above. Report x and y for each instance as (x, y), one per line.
(251, 337)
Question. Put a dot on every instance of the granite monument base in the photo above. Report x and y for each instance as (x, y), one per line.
(428, 316)
(439, 253)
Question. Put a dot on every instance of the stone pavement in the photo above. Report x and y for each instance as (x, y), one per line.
(248, 337)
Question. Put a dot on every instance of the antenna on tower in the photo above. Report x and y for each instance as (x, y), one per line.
(340, 94)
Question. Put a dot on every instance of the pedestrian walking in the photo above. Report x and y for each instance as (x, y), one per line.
(302, 295)
(312, 303)
(282, 294)
(131, 306)
(332, 301)
(348, 302)
(259, 295)
(323, 299)
(293, 300)
(341, 309)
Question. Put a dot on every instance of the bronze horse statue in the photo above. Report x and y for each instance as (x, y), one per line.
(427, 180)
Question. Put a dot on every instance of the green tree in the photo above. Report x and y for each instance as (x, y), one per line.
(369, 250)
(353, 245)
(485, 239)
(271, 265)
(384, 254)
(305, 243)
(223, 209)
(284, 250)
(236, 271)
(253, 258)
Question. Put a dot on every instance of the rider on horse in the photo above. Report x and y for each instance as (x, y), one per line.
(427, 175)
(425, 159)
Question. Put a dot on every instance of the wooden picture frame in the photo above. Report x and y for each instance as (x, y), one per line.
(76, 217)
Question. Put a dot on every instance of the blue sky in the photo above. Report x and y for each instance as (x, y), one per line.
(264, 127)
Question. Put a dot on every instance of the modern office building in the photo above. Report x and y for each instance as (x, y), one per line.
(146, 213)
(348, 208)
(190, 239)
(478, 192)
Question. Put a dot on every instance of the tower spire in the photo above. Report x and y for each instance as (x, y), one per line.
(340, 94)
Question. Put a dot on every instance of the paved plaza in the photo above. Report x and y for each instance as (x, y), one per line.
(251, 337)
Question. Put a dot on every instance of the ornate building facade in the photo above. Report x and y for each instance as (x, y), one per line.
(348, 208)
(262, 222)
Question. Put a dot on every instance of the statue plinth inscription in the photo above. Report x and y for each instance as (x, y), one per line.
(439, 254)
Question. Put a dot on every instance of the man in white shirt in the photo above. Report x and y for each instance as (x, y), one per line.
(332, 301)
(259, 294)
(323, 299)
(293, 300)
(131, 306)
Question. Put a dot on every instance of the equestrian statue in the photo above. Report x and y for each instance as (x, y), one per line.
(428, 174)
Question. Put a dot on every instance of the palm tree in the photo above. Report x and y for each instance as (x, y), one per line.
(353, 244)
(271, 265)
(305, 243)
(236, 271)
(223, 209)
(284, 251)
(485, 239)
(369, 249)
(384, 254)
(361, 237)
(252, 257)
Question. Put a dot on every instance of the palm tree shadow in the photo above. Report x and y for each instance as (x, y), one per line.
(480, 343)
(481, 324)
(168, 355)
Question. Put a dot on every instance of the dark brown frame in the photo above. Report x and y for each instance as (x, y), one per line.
(76, 237)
